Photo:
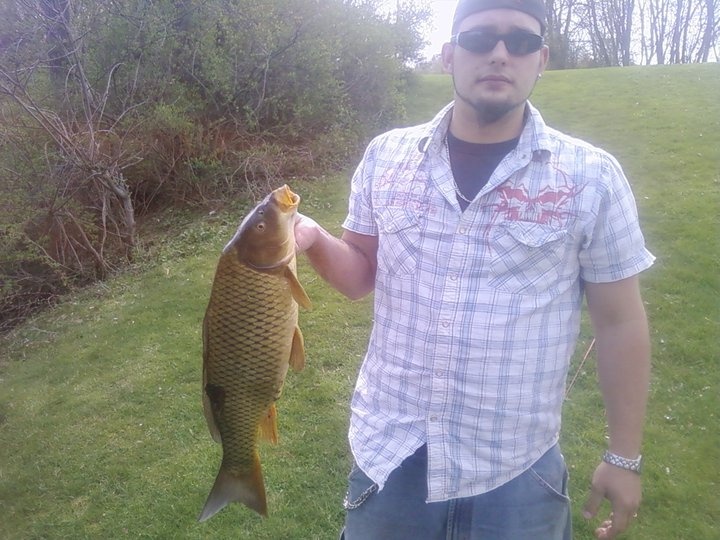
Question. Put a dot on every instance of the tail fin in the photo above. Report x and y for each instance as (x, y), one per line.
(249, 490)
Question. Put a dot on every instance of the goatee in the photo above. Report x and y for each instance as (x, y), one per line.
(489, 113)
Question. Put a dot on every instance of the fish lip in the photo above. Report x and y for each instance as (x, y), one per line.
(286, 198)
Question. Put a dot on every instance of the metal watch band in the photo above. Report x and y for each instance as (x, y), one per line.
(634, 465)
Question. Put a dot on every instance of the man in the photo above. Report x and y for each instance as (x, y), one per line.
(479, 233)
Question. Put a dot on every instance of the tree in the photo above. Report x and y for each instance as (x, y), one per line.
(86, 152)
(609, 26)
(710, 32)
(560, 26)
(624, 32)
(111, 106)
(677, 31)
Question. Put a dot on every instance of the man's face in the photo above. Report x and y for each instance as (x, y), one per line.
(494, 83)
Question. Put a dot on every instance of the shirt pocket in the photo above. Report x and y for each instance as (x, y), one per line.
(527, 257)
(399, 240)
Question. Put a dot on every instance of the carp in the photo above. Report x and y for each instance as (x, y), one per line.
(250, 337)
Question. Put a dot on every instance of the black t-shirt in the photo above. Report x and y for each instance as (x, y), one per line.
(473, 163)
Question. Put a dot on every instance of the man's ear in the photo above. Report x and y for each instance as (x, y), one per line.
(448, 51)
(544, 58)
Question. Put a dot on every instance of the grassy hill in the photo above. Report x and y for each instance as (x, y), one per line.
(101, 428)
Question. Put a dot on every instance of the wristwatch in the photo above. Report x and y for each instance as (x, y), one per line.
(634, 465)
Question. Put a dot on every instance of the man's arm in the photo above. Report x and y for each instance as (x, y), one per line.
(348, 263)
(623, 359)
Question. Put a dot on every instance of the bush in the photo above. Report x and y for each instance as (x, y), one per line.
(150, 105)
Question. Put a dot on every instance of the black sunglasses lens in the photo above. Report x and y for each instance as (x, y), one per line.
(521, 43)
(517, 43)
(477, 42)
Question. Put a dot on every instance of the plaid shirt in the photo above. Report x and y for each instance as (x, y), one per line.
(477, 312)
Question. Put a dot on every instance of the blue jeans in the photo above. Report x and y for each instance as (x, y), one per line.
(533, 506)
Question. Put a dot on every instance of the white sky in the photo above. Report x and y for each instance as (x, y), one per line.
(441, 21)
(439, 24)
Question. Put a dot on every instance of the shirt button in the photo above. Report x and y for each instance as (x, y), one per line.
(453, 277)
(462, 230)
(439, 373)
(433, 418)
(445, 324)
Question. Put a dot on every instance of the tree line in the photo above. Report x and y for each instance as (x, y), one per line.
(605, 33)
(626, 32)
(112, 110)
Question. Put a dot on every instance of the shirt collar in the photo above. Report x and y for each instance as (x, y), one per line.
(535, 137)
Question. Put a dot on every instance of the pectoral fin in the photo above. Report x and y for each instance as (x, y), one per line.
(297, 290)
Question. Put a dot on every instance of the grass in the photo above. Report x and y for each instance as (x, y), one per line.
(101, 428)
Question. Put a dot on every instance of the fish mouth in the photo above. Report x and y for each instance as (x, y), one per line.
(286, 199)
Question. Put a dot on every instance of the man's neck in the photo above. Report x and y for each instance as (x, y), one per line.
(466, 126)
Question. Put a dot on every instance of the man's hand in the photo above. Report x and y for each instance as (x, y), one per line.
(306, 232)
(623, 489)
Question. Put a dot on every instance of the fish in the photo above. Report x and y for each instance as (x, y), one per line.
(250, 339)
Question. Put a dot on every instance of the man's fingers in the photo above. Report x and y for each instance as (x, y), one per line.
(603, 530)
(621, 519)
(624, 510)
(305, 229)
(593, 503)
(622, 489)
(611, 528)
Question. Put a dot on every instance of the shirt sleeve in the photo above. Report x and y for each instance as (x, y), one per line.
(615, 248)
(360, 210)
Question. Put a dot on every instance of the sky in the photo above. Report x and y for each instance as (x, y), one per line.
(439, 24)
(441, 21)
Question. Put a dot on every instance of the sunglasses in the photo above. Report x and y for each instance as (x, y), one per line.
(517, 42)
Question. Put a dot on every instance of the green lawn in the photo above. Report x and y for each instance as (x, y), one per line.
(101, 426)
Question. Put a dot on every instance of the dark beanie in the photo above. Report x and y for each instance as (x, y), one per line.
(535, 8)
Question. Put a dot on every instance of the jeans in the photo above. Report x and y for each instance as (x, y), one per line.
(532, 506)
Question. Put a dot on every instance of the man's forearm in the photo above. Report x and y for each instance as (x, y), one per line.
(348, 263)
(623, 353)
(342, 264)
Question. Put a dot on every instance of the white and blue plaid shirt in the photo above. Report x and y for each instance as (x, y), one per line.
(477, 312)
